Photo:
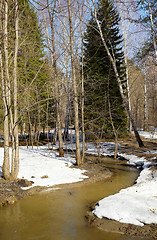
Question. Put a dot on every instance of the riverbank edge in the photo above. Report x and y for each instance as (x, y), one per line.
(13, 191)
(148, 231)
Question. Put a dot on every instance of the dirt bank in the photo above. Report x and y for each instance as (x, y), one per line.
(148, 231)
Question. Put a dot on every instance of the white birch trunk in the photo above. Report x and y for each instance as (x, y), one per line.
(82, 100)
(145, 100)
(5, 84)
(78, 155)
(57, 93)
(15, 158)
(125, 34)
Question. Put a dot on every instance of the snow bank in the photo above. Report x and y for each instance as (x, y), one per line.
(137, 204)
(45, 168)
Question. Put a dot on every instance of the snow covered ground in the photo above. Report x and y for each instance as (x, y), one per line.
(45, 168)
(137, 204)
(149, 135)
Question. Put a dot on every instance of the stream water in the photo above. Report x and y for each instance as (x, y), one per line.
(59, 214)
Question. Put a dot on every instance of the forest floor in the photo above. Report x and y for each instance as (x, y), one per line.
(11, 191)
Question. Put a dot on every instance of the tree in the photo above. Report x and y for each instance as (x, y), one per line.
(75, 97)
(52, 49)
(10, 116)
(137, 93)
(99, 72)
(114, 65)
(32, 70)
(148, 18)
(21, 61)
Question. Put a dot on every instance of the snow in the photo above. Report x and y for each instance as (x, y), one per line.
(149, 135)
(45, 168)
(137, 204)
(106, 148)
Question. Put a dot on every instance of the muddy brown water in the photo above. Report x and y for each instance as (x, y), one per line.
(59, 214)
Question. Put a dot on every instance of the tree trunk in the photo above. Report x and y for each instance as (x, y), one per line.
(82, 100)
(15, 159)
(145, 100)
(78, 155)
(57, 93)
(6, 163)
(125, 33)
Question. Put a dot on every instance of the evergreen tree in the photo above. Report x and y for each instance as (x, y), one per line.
(101, 87)
(32, 64)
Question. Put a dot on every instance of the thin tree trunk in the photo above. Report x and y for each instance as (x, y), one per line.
(125, 33)
(15, 161)
(78, 155)
(47, 118)
(118, 80)
(5, 83)
(145, 100)
(53, 59)
(112, 123)
(82, 100)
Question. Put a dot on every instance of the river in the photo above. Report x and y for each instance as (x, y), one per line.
(59, 214)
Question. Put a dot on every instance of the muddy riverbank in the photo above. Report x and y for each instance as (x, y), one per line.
(148, 231)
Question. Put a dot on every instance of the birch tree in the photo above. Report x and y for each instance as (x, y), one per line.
(52, 48)
(124, 12)
(10, 118)
(75, 97)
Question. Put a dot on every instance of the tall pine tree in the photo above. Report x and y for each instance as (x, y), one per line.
(102, 97)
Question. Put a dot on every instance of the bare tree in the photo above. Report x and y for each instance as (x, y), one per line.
(52, 49)
(9, 118)
(123, 10)
(78, 155)
(5, 93)
(15, 140)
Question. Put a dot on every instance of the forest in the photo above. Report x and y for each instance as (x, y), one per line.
(78, 104)
(83, 65)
